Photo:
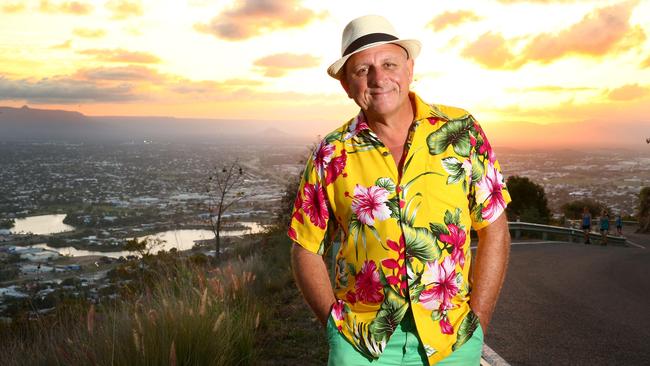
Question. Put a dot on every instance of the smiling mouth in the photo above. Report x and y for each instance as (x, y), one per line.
(380, 93)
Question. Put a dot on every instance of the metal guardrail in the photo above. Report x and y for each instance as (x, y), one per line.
(517, 228)
(572, 234)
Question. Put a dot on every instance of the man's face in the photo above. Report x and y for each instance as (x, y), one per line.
(378, 79)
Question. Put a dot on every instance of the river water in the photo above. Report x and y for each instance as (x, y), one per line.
(180, 239)
(41, 225)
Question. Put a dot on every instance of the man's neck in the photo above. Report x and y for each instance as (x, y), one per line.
(393, 129)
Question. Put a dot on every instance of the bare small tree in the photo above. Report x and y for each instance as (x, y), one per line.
(145, 247)
(223, 189)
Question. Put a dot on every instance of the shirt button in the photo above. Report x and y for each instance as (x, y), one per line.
(385, 153)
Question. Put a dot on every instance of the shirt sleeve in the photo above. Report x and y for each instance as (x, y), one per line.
(488, 194)
(310, 216)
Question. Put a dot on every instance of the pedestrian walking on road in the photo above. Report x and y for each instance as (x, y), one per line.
(604, 227)
(619, 224)
(586, 224)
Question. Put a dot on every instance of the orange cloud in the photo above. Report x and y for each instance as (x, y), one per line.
(68, 7)
(241, 82)
(121, 73)
(552, 89)
(206, 88)
(279, 64)
(123, 9)
(64, 90)
(249, 18)
(16, 7)
(596, 34)
(629, 92)
(452, 18)
(602, 32)
(124, 85)
(120, 55)
(89, 33)
(63, 46)
(536, 1)
(491, 50)
(127, 84)
(645, 64)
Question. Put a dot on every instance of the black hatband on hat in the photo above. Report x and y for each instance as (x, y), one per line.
(368, 39)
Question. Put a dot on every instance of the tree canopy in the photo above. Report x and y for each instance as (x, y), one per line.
(573, 209)
(529, 203)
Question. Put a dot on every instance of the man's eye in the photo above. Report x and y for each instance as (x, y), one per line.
(390, 65)
(362, 71)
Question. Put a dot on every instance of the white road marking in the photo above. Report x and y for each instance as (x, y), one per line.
(636, 245)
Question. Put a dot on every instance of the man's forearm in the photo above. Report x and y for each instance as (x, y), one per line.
(489, 268)
(312, 278)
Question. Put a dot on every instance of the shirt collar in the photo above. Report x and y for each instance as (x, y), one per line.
(422, 111)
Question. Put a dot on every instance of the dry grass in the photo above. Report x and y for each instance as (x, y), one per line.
(189, 315)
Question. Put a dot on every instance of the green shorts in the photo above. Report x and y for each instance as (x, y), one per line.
(403, 348)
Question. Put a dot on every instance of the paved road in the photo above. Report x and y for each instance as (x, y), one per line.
(574, 304)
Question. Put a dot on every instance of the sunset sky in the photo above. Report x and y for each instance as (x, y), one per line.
(518, 61)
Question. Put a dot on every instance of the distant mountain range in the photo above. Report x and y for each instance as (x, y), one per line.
(28, 124)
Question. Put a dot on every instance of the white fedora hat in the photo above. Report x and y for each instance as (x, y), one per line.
(366, 32)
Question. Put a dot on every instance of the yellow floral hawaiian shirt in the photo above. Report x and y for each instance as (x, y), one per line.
(406, 241)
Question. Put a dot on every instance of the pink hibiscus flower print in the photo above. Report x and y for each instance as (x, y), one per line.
(490, 188)
(367, 284)
(485, 147)
(370, 204)
(338, 310)
(359, 123)
(335, 167)
(443, 278)
(323, 155)
(292, 234)
(297, 205)
(455, 238)
(351, 296)
(445, 326)
(314, 204)
(356, 126)
(396, 268)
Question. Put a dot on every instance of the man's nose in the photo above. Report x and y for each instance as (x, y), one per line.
(376, 76)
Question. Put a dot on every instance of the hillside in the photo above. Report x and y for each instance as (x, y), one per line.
(28, 124)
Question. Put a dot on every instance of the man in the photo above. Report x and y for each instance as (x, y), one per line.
(403, 182)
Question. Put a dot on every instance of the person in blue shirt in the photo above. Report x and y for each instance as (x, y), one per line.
(604, 227)
(619, 225)
(586, 224)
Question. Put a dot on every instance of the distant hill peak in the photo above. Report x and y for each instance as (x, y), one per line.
(27, 111)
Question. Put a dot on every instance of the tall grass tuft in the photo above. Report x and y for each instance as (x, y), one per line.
(184, 314)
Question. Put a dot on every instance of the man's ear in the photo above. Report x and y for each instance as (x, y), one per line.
(410, 64)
